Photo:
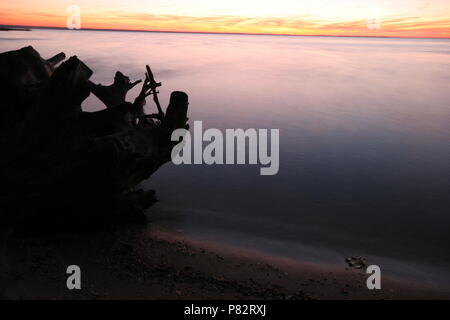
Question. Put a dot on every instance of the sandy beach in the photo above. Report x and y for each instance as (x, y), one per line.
(148, 262)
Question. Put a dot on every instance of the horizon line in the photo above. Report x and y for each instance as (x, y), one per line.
(221, 33)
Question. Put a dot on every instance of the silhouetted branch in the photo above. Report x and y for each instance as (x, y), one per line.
(114, 94)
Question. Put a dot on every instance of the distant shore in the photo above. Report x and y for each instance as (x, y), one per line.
(14, 29)
(147, 262)
(29, 28)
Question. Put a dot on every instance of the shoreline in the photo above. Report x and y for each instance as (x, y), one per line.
(14, 29)
(151, 263)
(234, 33)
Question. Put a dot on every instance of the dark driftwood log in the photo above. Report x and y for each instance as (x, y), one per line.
(60, 165)
(176, 113)
(115, 94)
(54, 61)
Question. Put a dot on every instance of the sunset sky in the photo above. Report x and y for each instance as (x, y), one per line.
(402, 18)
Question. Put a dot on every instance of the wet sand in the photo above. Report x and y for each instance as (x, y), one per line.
(148, 262)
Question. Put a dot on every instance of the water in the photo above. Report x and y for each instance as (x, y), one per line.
(364, 133)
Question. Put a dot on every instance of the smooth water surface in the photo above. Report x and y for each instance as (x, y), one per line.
(364, 139)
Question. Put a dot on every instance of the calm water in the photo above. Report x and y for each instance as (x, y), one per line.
(364, 133)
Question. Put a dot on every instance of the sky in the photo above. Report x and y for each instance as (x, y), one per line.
(398, 18)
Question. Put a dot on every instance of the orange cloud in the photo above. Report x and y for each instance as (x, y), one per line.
(301, 25)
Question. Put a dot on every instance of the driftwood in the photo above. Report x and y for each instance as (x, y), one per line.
(61, 165)
(116, 93)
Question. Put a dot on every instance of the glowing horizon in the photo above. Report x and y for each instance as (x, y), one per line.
(395, 18)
